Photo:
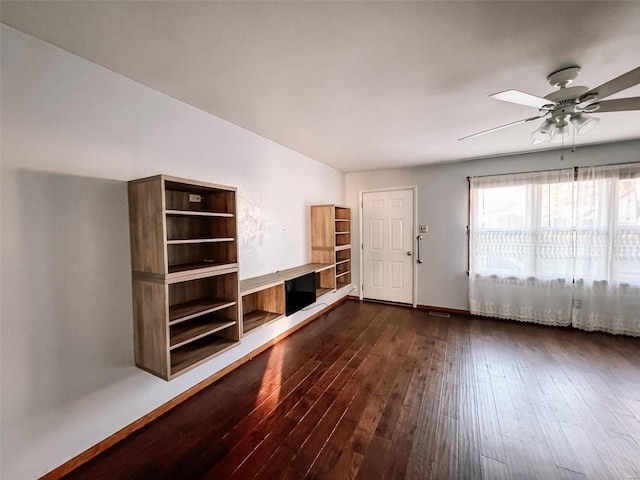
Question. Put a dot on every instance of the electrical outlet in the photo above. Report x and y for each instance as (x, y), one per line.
(194, 198)
(423, 228)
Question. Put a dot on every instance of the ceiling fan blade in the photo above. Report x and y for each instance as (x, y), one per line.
(619, 105)
(616, 85)
(521, 98)
(500, 127)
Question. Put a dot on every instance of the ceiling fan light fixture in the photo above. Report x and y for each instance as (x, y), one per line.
(544, 132)
(584, 123)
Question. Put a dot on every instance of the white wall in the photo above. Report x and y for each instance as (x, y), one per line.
(443, 204)
(73, 133)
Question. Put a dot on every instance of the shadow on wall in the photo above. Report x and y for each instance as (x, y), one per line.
(73, 318)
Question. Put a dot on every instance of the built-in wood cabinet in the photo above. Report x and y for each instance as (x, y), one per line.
(263, 297)
(188, 302)
(184, 256)
(331, 242)
(262, 302)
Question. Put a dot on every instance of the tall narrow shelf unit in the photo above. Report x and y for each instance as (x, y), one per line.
(331, 243)
(184, 256)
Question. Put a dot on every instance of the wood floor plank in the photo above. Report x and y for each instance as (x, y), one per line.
(402, 438)
(445, 464)
(378, 391)
(398, 390)
(564, 474)
(469, 456)
(556, 440)
(528, 459)
(306, 414)
(593, 464)
(628, 449)
(494, 470)
(468, 447)
(375, 459)
(423, 451)
(594, 419)
(260, 442)
(278, 466)
(343, 432)
(313, 447)
(353, 452)
(490, 437)
(633, 426)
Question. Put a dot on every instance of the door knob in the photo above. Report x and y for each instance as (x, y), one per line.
(409, 253)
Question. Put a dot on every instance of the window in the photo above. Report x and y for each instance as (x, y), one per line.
(522, 225)
(558, 248)
(558, 224)
(608, 224)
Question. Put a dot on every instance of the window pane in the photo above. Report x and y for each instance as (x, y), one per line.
(503, 207)
(626, 248)
(557, 205)
(589, 194)
(502, 245)
(555, 241)
(629, 202)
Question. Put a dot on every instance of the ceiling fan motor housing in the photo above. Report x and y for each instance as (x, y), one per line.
(565, 102)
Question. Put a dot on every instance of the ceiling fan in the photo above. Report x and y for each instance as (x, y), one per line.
(569, 106)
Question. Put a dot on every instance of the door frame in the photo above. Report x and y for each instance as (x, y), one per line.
(414, 271)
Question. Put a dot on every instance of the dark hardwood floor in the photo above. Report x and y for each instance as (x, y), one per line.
(375, 391)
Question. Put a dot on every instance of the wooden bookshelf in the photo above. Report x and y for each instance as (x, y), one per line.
(184, 257)
(331, 242)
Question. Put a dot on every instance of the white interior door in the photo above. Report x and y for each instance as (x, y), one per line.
(387, 244)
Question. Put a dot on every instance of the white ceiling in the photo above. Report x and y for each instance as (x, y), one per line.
(356, 85)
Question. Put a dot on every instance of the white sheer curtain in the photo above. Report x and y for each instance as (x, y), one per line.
(607, 263)
(521, 247)
(556, 249)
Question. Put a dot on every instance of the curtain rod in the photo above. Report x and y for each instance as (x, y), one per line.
(575, 169)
